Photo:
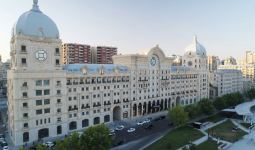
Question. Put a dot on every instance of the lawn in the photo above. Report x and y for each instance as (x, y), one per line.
(214, 118)
(246, 125)
(225, 131)
(176, 138)
(208, 145)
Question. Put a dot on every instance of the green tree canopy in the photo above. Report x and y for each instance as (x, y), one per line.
(96, 138)
(206, 106)
(178, 116)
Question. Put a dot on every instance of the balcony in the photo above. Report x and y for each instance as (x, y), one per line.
(59, 94)
(59, 104)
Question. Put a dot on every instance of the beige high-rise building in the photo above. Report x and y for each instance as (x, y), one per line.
(225, 81)
(250, 57)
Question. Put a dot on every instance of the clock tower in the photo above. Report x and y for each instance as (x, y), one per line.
(36, 80)
(35, 43)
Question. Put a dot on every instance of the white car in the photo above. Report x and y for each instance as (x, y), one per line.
(131, 130)
(147, 120)
(49, 144)
(140, 123)
(121, 127)
(5, 148)
(112, 132)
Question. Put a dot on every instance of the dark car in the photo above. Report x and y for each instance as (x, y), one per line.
(162, 117)
(148, 126)
(4, 144)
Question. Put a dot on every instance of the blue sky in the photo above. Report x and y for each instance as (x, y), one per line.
(224, 27)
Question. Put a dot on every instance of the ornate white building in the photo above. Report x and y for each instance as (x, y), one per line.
(49, 99)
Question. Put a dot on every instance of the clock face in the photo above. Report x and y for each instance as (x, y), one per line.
(41, 55)
(154, 60)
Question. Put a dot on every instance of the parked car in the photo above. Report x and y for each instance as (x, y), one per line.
(148, 120)
(148, 126)
(2, 136)
(140, 123)
(120, 127)
(49, 144)
(1, 140)
(112, 132)
(3, 144)
(5, 148)
(131, 130)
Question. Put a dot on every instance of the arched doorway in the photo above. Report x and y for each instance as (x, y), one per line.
(140, 109)
(25, 137)
(42, 133)
(144, 108)
(166, 106)
(116, 113)
(72, 125)
(153, 106)
(149, 107)
(169, 103)
(134, 110)
(161, 105)
(178, 100)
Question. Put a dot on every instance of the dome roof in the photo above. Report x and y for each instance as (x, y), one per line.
(195, 48)
(35, 23)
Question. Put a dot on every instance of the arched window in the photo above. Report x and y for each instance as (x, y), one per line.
(107, 118)
(25, 136)
(96, 120)
(72, 125)
(85, 123)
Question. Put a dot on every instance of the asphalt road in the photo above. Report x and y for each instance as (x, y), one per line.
(142, 136)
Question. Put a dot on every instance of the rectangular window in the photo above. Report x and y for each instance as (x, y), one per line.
(39, 112)
(58, 100)
(57, 51)
(46, 82)
(25, 105)
(23, 48)
(38, 102)
(38, 92)
(46, 101)
(46, 92)
(47, 110)
(25, 115)
(25, 125)
(23, 61)
(59, 110)
(57, 62)
(38, 82)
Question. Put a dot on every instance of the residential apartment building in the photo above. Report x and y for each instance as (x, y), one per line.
(49, 99)
(213, 63)
(225, 81)
(76, 53)
(103, 54)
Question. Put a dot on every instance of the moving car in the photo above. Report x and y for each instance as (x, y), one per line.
(120, 127)
(131, 130)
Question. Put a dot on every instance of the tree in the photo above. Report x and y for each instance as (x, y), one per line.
(42, 147)
(96, 138)
(219, 103)
(206, 106)
(61, 145)
(250, 93)
(178, 116)
(192, 110)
